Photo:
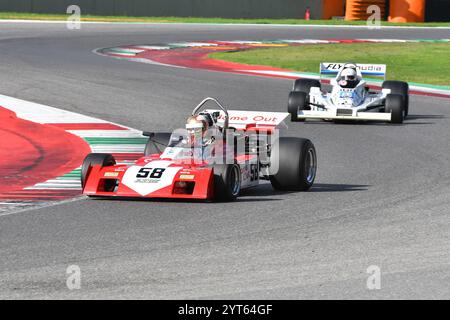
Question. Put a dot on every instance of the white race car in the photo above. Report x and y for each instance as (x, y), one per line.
(350, 97)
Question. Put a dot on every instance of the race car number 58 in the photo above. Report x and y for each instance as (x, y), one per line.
(155, 173)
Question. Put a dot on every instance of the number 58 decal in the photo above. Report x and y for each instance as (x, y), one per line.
(155, 173)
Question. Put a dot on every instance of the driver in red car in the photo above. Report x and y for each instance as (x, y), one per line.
(197, 129)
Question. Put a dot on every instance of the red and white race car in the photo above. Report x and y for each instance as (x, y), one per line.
(237, 151)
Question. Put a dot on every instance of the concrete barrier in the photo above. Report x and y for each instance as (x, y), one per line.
(274, 9)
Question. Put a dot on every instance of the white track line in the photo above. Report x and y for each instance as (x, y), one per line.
(37, 206)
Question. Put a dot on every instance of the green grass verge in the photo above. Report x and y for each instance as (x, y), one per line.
(39, 16)
(413, 62)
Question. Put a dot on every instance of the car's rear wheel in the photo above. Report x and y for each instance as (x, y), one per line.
(102, 159)
(305, 85)
(399, 87)
(395, 105)
(293, 164)
(157, 142)
(227, 182)
(297, 101)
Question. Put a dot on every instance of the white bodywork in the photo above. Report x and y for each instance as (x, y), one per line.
(347, 103)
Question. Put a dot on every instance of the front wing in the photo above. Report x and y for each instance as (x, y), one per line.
(202, 180)
(334, 115)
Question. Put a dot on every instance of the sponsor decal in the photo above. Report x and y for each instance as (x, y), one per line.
(187, 176)
(147, 180)
(333, 66)
(111, 174)
(247, 117)
(365, 69)
(264, 119)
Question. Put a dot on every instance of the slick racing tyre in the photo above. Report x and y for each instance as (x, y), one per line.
(399, 87)
(227, 182)
(102, 159)
(305, 85)
(395, 105)
(296, 160)
(157, 142)
(297, 101)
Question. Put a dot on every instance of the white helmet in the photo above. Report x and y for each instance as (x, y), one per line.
(197, 122)
(349, 74)
(196, 127)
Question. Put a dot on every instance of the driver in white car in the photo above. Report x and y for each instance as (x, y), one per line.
(349, 78)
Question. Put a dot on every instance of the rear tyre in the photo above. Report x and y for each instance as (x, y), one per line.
(305, 85)
(156, 143)
(399, 87)
(102, 159)
(395, 105)
(297, 101)
(227, 182)
(297, 164)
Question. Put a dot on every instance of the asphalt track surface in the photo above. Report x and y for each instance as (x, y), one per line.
(381, 196)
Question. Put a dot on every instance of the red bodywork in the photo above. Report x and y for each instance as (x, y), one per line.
(199, 174)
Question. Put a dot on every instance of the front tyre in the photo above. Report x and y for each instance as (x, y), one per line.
(102, 159)
(305, 85)
(227, 182)
(398, 87)
(296, 160)
(297, 101)
(395, 105)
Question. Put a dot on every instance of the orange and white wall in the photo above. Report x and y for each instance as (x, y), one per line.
(398, 10)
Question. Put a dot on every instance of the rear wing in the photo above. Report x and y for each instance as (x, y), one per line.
(251, 120)
(331, 69)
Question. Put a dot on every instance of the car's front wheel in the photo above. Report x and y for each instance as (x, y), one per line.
(395, 105)
(305, 85)
(102, 159)
(227, 182)
(297, 101)
(399, 87)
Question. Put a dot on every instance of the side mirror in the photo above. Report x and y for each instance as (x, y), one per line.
(148, 134)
